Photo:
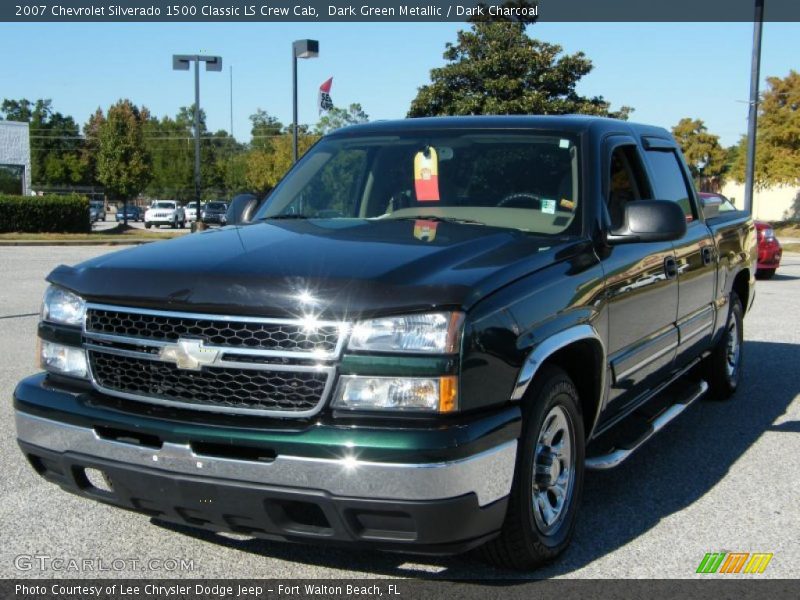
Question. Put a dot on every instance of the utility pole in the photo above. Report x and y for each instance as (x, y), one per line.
(752, 117)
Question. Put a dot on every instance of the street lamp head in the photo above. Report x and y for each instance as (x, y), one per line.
(306, 48)
(180, 62)
(213, 63)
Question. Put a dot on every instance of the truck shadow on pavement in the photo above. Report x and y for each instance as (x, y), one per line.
(619, 505)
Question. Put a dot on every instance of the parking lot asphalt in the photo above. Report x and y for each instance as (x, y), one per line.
(723, 477)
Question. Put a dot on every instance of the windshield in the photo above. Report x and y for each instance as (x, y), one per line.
(169, 205)
(96, 204)
(216, 206)
(497, 178)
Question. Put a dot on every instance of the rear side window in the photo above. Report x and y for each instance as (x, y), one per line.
(669, 181)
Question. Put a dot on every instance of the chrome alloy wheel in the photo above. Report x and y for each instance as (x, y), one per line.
(732, 350)
(554, 470)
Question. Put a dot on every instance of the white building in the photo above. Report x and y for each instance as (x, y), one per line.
(778, 203)
(15, 158)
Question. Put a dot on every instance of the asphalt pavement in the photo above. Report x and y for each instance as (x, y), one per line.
(723, 477)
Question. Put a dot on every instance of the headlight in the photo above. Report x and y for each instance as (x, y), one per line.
(61, 306)
(431, 333)
(62, 360)
(429, 394)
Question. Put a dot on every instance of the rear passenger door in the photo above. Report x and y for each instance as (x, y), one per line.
(642, 288)
(695, 253)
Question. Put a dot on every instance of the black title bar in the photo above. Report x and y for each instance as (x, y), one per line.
(392, 11)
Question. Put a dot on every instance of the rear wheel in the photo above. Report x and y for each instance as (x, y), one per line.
(548, 479)
(723, 367)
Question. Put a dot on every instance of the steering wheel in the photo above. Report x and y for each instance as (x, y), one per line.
(521, 200)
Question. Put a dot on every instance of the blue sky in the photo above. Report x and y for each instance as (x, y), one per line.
(664, 70)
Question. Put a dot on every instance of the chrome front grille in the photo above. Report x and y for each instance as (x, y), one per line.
(281, 336)
(246, 365)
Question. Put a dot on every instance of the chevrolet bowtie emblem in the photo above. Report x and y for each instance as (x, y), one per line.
(190, 355)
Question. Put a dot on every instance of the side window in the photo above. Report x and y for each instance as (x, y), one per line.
(626, 182)
(669, 180)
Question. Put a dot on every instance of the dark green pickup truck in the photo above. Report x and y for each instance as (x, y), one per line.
(418, 342)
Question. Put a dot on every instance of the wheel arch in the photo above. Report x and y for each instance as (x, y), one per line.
(741, 286)
(578, 350)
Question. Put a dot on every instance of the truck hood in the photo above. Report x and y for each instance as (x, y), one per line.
(340, 268)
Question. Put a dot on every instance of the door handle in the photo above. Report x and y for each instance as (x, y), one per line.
(708, 255)
(670, 267)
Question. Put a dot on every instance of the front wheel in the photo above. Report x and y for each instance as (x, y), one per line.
(724, 365)
(548, 479)
(148, 225)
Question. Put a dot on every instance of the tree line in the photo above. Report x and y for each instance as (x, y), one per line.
(492, 68)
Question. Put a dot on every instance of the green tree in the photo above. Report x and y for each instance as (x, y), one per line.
(57, 158)
(778, 141)
(123, 160)
(264, 128)
(706, 159)
(496, 68)
(336, 118)
(264, 168)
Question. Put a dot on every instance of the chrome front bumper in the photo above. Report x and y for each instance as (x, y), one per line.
(488, 474)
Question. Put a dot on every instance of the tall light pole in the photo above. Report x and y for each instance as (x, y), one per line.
(300, 49)
(181, 62)
(752, 117)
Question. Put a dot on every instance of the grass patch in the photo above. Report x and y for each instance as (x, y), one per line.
(120, 233)
(791, 247)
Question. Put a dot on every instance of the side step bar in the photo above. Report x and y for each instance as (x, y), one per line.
(622, 451)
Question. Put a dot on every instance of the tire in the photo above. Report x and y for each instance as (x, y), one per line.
(527, 540)
(148, 225)
(183, 224)
(723, 368)
(765, 273)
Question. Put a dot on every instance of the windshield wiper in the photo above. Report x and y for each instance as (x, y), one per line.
(286, 216)
(435, 218)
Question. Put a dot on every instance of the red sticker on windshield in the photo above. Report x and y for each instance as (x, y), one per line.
(426, 176)
(424, 230)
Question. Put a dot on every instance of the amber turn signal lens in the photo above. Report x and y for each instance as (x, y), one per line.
(448, 394)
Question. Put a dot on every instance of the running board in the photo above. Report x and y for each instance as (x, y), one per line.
(620, 452)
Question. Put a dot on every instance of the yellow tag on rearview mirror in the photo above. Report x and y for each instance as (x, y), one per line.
(426, 175)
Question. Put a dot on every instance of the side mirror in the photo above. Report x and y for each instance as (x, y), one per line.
(649, 221)
(241, 209)
(710, 205)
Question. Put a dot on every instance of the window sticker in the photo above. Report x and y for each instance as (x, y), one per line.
(425, 231)
(426, 175)
(563, 143)
(548, 206)
(567, 204)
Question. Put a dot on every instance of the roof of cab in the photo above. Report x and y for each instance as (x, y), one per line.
(563, 123)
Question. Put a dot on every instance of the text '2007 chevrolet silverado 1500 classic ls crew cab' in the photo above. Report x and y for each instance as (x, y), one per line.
(418, 342)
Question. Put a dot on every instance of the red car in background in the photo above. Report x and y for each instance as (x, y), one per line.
(769, 248)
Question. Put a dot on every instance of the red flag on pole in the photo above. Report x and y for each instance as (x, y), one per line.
(324, 101)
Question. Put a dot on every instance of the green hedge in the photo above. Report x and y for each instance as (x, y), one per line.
(44, 214)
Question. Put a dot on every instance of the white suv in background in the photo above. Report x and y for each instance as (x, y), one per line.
(164, 212)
